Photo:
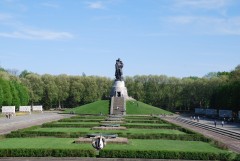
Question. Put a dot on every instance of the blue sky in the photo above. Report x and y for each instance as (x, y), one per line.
(172, 37)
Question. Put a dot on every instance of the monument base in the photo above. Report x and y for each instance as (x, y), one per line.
(119, 89)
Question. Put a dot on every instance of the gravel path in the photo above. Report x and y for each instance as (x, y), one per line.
(20, 122)
(232, 144)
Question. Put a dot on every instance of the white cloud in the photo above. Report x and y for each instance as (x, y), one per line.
(4, 16)
(206, 4)
(37, 35)
(206, 25)
(51, 5)
(96, 5)
(16, 29)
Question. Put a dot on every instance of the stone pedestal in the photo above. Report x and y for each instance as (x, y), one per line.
(119, 89)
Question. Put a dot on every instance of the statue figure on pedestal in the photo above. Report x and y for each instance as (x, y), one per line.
(118, 69)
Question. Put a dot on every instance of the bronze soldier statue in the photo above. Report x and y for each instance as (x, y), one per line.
(118, 69)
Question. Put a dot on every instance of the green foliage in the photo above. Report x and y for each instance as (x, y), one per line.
(91, 90)
(15, 95)
(22, 93)
(63, 84)
(7, 96)
(1, 95)
(151, 154)
(136, 107)
(34, 85)
(50, 91)
(46, 153)
(70, 125)
(76, 91)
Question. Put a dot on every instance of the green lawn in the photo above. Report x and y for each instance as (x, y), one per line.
(97, 123)
(80, 123)
(170, 145)
(135, 144)
(97, 107)
(139, 108)
(130, 130)
(102, 106)
(31, 143)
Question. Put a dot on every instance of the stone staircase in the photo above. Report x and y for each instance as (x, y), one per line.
(118, 106)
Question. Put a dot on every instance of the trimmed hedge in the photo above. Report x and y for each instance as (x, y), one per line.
(237, 157)
(190, 137)
(88, 117)
(148, 127)
(47, 153)
(24, 134)
(80, 120)
(164, 155)
(69, 125)
(145, 121)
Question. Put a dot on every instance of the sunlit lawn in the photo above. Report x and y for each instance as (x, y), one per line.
(130, 130)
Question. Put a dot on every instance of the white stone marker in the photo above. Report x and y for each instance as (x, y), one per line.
(25, 109)
(8, 109)
(37, 108)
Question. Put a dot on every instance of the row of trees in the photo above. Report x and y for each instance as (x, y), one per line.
(12, 91)
(215, 90)
(65, 91)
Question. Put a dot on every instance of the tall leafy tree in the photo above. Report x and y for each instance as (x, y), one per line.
(50, 91)
(15, 95)
(7, 96)
(90, 92)
(22, 93)
(63, 85)
(35, 87)
(76, 92)
(1, 95)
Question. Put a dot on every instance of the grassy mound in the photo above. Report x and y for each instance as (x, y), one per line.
(97, 107)
(139, 108)
(102, 106)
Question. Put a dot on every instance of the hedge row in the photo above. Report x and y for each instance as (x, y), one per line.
(88, 117)
(24, 134)
(80, 120)
(145, 121)
(190, 137)
(47, 153)
(146, 118)
(237, 158)
(164, 155)
(97, 124)
(69, 125)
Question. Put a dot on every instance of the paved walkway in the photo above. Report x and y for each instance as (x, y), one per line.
(232, 144)
(232, 126)
(20, 122)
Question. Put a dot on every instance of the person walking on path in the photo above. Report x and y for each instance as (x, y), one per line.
(215, 123)
(222, 123)
(198, 118)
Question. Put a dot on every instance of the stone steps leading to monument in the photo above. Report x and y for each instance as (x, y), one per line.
(118, 106)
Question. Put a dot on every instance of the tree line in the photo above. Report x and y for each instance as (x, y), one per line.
(215, 90)
(220, 90)
(12, 91)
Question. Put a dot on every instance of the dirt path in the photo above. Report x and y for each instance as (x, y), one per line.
(232, 144)
(20, 122)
